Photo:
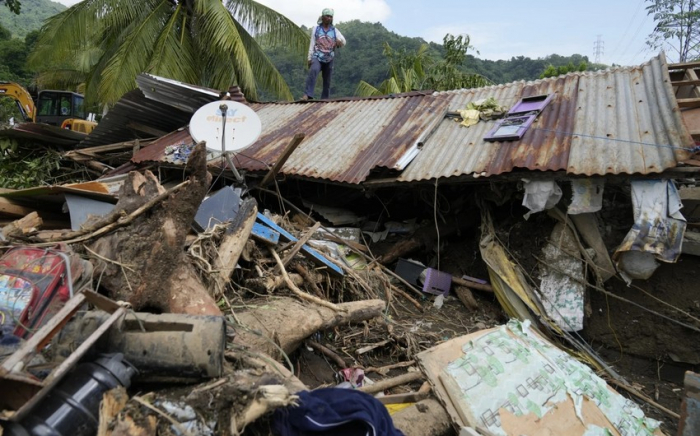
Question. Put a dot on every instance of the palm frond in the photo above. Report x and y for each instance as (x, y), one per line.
(174, 54)
(131, 59)
(258, 19)
(219, 37)
(364, 89)
(266, 74)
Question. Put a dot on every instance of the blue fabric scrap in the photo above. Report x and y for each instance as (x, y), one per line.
(337, 412)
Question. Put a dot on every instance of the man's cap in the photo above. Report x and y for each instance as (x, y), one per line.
(328, 11)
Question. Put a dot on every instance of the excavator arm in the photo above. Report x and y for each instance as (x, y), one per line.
(22, 97)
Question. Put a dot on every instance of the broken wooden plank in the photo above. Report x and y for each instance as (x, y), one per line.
(408, 397)
(232, 245)
(587, 227)
(391, 382)
(293, 144)
(689, 102)
(22, 226)
(314, 255)
(686, 83)
(13, 209)
(300, 243)
(371, 347)
(113, 401)
(684, 65)
(471, 284)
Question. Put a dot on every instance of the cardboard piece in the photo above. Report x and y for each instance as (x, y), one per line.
(510, 381)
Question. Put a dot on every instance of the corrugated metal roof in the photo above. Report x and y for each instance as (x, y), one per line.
(621, 121)
(180, 95)
(135, 116)
(344, 140)
(158, 107)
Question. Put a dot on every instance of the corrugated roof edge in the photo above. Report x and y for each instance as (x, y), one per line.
(340, 99)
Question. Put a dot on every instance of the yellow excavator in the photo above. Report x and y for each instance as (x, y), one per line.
(62, 109)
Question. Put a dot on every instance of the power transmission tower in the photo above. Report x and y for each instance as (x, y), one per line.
(598, 47)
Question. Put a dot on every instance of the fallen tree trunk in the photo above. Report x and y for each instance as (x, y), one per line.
(145, 263)
(288, 322)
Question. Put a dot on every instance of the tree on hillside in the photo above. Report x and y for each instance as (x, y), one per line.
(552, 71)
(13, 5)
(205, 42)
(415, 70)
(406, 72)
(677, 28)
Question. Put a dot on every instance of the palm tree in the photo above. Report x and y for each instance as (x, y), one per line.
(204, 42)
(406, 72)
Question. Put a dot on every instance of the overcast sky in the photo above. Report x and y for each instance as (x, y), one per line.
(500, 29)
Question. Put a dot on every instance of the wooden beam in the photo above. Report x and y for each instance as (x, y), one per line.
(689, 102)
(300, 243)
(10, 208)
(684, 65)
(293, 144)
(686, 83)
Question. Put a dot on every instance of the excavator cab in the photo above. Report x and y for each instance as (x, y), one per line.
(55, 107)
(63, 109)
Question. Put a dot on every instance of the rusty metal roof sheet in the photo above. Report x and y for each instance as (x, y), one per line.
(135, 116)
(181, 95)
(345, 140)
(158, 107)
(620, 121)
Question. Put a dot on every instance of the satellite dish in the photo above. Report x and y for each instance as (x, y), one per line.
(241, 129)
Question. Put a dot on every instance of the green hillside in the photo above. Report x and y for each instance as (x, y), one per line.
(33, 14)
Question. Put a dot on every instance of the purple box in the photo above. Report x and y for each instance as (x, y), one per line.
(437, 282)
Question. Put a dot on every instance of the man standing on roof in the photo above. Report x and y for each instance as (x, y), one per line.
(324, 40)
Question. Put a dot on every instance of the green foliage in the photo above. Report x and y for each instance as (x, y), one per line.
(13, 56)
(13, 6)
(27, 167)
(677, 28)
(32, 17)
(448, 74)
(203, 42)
(552, 71)
(415, 71)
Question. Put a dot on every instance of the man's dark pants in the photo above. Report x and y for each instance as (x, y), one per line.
(326, 69)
